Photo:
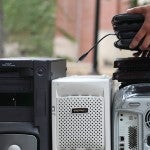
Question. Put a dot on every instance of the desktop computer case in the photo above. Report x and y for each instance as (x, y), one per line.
(131, 118)
(25, 102)
(81, 113)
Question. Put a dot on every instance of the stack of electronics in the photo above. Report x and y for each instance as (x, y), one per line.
(41, 109)
(25, 102)
(135, 69)
(132, 70)
(131, 105)
(125, 27)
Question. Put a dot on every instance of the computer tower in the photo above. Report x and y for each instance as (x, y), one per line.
(25, 102)
(81, 113)
(131, 118)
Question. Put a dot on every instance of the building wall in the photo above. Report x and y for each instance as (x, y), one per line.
(75, 19)
(75, 24)
(109, 8)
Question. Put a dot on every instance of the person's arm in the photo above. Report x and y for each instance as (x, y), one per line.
(144, 32)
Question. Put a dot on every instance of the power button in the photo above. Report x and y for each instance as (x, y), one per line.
(40, 71)
(14, 147)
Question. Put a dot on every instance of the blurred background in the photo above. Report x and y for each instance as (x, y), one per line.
(64, 29)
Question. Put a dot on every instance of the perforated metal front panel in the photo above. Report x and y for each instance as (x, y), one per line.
(80, 130)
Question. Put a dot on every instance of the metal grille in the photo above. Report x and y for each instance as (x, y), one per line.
(80, 130)
(133, 138)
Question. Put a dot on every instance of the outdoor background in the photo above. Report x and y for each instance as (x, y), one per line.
(62, 28)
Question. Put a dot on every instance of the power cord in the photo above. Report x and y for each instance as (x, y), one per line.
(85, 54)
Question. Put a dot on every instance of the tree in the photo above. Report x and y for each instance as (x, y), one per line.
(134, 3)
(1, 30)
(31, 24)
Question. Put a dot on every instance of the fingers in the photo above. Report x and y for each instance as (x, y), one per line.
(138, 37)
(140, 10)
(146, 43)
(143, 35)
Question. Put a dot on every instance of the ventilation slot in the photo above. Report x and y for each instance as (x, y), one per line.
(81, 130)
(133, 136)
(147, 119)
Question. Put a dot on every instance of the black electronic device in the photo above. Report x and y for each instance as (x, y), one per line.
(126, 26)
(132, 76)
(132, 64)
(127, 18)
(132, 70)
(25, 102)
(124, 44)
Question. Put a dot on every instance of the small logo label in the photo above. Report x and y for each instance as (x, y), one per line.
(8, 64)
(79, 110)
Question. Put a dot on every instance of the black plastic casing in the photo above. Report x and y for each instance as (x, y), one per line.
(28, 80)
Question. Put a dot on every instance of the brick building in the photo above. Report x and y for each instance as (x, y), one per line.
(75, 28)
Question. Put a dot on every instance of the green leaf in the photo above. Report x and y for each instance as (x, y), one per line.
(31, 24)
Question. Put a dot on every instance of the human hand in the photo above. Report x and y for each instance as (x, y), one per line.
(144, 32)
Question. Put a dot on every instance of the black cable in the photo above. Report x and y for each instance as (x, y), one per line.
(85, 54)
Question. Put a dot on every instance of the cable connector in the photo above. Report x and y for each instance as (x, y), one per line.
(85, 54)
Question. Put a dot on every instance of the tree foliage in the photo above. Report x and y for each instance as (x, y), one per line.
(134, 3)
(31, 24)
(1, 30)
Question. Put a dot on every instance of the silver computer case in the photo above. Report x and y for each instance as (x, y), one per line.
(131, 118)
